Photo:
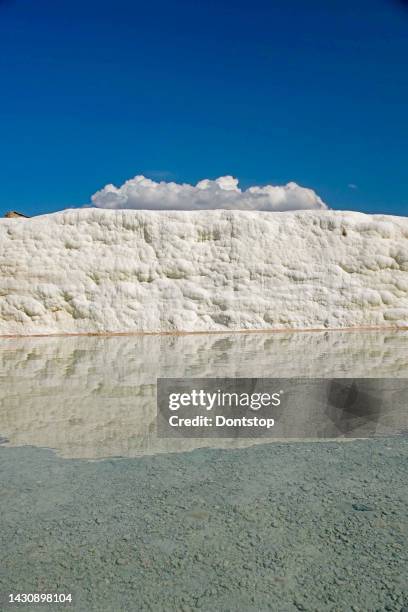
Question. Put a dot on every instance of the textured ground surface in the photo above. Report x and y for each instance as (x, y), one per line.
(95, 270)
(316, 527)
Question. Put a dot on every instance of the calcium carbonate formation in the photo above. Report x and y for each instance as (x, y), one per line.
(90, 270)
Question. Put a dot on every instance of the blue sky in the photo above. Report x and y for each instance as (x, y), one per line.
(272, 91)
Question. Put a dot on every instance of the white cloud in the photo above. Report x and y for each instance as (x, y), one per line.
(224, 192)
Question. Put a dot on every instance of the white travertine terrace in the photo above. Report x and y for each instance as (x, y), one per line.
(91, 270)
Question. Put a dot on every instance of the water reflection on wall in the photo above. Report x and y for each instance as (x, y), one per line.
(95, 397)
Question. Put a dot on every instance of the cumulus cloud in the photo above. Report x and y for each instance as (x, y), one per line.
(223, 192)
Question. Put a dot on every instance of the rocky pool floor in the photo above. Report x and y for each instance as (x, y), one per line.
(294, 526)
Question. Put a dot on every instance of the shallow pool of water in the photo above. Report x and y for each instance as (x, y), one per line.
(95, 397)
(234, 526)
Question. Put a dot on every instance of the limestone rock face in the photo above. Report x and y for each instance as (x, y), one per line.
(91, 270)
